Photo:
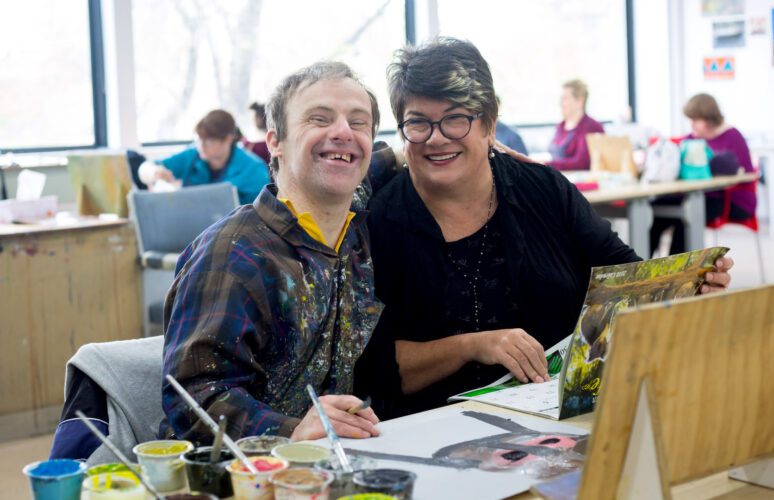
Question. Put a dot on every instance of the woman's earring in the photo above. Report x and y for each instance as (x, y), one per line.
(491, 152)
(405, 165)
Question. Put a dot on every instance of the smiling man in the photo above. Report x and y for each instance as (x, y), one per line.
(279, 294)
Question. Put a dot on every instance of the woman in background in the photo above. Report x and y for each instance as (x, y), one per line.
(730, 153)
(215, 157)
(259, 148)
(568, 147)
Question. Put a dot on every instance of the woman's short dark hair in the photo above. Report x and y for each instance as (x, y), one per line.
(703, 107)
(445, 69)
(217, 124)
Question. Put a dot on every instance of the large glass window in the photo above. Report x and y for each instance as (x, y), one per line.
(192, 56)
(534, 47)
(45, 75)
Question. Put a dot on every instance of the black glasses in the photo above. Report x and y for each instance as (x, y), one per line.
(419, 130)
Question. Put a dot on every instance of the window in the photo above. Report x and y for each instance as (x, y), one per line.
(45, 83)
(534, 47)
(229, 54)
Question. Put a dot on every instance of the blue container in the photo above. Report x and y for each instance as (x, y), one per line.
(56, 479)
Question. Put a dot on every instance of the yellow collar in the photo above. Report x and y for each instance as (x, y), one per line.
(306, 221)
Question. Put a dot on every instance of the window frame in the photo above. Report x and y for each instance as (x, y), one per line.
(98, 77)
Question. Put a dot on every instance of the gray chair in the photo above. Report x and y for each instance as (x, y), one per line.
(129, 372)
(166, 223)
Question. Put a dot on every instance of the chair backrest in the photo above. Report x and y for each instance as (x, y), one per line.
(725, 218)
(167, 222)
(100, 182)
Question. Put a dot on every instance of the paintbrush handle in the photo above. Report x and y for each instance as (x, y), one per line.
(332, 436)
(120, 456)
(230, 444)
(218, 441)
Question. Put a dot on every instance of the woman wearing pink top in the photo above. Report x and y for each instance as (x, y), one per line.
(568, 147)
(729, 154)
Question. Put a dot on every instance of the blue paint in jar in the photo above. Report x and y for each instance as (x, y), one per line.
(56, 479)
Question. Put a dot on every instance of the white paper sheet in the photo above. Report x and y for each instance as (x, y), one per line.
(29, 185)
(423, 434)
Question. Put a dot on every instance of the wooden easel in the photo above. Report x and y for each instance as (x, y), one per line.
(688, 391)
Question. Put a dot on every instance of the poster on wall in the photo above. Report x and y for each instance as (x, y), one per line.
(719, 68)
(758, 25)
(727, 34)
(722, 7)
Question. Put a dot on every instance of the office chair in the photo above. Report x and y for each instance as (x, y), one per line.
(166, 223)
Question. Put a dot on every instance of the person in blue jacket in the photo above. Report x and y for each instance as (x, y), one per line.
(215, 157)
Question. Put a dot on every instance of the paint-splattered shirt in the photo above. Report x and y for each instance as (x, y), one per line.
(257, 311)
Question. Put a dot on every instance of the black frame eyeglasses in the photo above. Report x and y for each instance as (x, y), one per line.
(420, 130)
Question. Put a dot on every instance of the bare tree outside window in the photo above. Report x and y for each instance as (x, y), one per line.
(192, 56)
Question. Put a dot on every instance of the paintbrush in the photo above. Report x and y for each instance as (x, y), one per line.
(209, 422)
(332, 437)
(218, 441)
(360, 406)
(120, 456)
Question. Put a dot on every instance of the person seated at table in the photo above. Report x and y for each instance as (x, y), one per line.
(215, 157)
(279, 294)
(259, 148)
(730, 153)
(568, 148)
(481, 260)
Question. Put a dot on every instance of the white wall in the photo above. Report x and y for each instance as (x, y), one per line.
(747, 101)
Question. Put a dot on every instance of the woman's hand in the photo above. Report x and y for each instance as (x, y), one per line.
(513, 348)
(499, 146)
(718, 280)
(360, 425)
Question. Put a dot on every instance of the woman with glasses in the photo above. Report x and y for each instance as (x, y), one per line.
(481, 260)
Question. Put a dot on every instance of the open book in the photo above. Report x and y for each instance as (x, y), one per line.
(575, 364)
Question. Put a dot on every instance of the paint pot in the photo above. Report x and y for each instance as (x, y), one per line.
(260, 445)
(111, 467)
(191, 496)
(302, 483)
(162, 463)
(395, 482)
(56, 479)
(301, 454)
(342, 481)
(368, 496)
(249, 486)
(120, 485)
(208, 477)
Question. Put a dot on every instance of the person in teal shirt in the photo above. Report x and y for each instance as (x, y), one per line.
(215, 157)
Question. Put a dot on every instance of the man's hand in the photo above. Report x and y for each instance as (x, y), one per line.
(360, 425)
(499, 146)
(718, 280)
(515, 349)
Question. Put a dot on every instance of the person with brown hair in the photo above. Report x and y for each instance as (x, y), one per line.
(215, 157)
(259, 148)
(729, 154)
(568, 148)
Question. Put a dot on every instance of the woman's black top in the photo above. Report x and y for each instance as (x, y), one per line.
(541, 244)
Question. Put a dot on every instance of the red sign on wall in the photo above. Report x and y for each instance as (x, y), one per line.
(719, 68)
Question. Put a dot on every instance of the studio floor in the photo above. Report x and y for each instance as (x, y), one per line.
(15, 454)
